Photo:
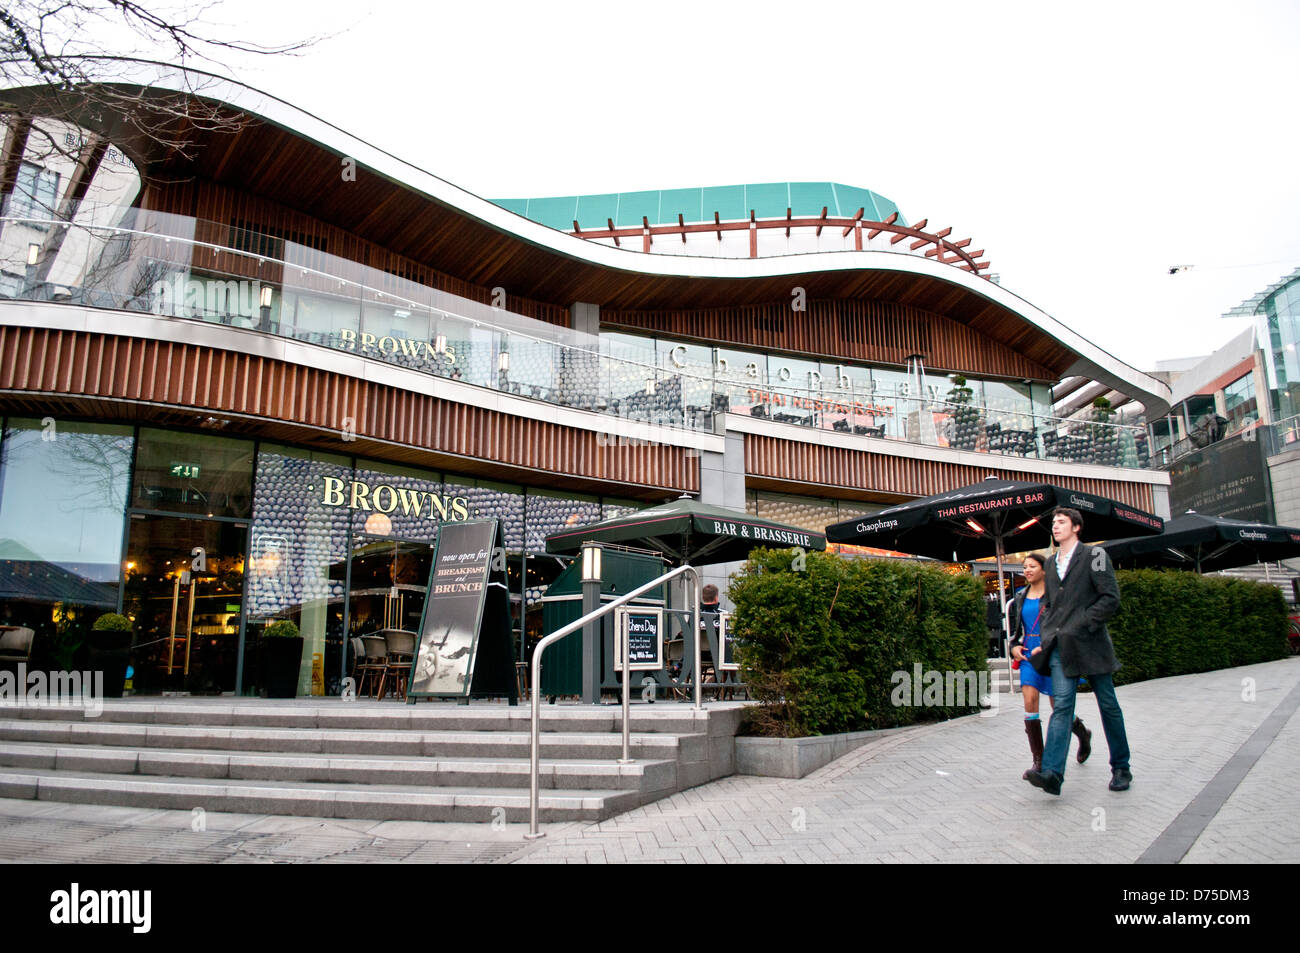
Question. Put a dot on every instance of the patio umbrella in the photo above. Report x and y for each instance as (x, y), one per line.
(975, 521)
(687, 531)
(1207, 544)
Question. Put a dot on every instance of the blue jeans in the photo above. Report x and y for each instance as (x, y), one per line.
(1057, 746)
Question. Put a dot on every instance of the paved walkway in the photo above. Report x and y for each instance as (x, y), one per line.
(1216, 765)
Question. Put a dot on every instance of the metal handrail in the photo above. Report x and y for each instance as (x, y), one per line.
(534, 767)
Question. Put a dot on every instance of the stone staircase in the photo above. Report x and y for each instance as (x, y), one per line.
(384, 761)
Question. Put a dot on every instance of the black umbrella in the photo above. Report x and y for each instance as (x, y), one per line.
(1207, 544)
(687, 531)
(976, 521)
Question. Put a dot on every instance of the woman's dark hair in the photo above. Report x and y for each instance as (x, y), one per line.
(1038, 558)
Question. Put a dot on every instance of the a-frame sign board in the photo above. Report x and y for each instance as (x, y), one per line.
(465, 647)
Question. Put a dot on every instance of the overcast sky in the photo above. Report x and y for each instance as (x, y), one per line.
(1087, 148)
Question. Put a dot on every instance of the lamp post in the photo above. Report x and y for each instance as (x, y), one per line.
(265, 302)
(591, 669)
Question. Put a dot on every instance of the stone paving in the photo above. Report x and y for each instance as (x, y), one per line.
(941, 792)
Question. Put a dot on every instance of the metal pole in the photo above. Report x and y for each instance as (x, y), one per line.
(534, 761)
(1002, 601)
(624, 640)
(699, 658)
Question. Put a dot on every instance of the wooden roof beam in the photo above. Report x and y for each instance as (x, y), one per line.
(856, 218)
(717, 220)
(893, 217)
(611, 229)
(789, 214)
(823, 218)
(682, 222)
(577, 229)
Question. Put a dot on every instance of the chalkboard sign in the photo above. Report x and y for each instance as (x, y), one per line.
(645, 634)
(462, 580)
(728, 642)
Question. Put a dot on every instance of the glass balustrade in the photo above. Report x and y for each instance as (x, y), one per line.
(176, 266)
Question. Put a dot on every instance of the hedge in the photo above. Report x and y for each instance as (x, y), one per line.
(1174, 622)
(820, 639)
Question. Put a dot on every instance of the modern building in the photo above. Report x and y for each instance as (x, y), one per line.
(249, 379)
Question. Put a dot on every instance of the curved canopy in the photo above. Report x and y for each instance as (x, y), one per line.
(687, 531)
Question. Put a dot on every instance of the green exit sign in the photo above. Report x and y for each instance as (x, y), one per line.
(188, 471)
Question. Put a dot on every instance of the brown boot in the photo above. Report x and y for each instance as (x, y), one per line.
(1034, 729)
(1085, 740)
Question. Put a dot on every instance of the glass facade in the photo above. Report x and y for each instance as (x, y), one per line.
(63, 489)
(1278, 328)
(204, 540)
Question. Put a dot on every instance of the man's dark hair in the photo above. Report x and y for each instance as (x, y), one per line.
(710, 593)
(1075, 517)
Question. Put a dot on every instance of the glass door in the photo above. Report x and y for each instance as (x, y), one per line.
(184, 587)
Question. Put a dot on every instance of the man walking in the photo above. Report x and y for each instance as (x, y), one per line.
(1081, 595)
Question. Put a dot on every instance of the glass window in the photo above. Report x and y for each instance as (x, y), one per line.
(550, 511)
(36, 191)
(484, 499)
(802, 511)
(193, 473)
(741, 376)
(399, 502)
(297, 562)
(63, 492)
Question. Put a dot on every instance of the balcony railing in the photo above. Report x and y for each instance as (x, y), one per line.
(193, 269)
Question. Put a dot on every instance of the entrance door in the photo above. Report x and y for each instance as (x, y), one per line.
(184, 590)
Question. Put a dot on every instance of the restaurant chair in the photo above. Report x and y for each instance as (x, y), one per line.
(16, 644)
(841, 425)
(376, 660)
(401, 652)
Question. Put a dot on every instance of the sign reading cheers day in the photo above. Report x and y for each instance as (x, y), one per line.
(645, 638)
(727, 644)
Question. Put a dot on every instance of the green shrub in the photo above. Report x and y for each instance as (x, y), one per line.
(819, 646)
(1174, 622)
(281, 629)
(112, 622)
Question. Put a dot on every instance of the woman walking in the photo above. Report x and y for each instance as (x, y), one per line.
(1026, 623)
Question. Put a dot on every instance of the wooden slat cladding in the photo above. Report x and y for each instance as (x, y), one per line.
(227, 216)
(856, 329)
(790, 465)
(205, 380)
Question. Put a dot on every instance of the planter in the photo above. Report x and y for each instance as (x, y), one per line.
(110, 652)
(797, 757)
(282, 656)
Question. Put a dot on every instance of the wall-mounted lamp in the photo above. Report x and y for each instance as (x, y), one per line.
(591, 562)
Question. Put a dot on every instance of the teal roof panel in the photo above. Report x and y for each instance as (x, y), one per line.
(813, 197)
(633, 206)
(731, 202)
(596, 211)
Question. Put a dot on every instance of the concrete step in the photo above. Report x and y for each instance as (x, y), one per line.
(380, 716)
(305, 799)
(644, 775)
(356, 741)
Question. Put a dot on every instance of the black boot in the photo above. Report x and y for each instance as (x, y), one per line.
(1085, 740)
(1034, 729)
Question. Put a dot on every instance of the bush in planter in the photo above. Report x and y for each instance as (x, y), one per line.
(110, 650)
(282, 645)
(1176, 622)
(819, 645)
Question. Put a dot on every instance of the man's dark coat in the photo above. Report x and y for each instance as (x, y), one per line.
(1074, 622)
